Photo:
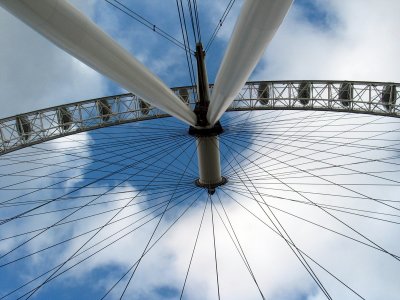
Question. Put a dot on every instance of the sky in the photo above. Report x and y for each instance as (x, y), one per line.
(318, 40)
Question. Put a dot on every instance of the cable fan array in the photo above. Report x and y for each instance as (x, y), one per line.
(112, 197)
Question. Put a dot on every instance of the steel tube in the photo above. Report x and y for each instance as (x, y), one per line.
(255, 28)
(208, 161)
(72, 31)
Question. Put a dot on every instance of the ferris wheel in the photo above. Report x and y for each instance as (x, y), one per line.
(234, 190)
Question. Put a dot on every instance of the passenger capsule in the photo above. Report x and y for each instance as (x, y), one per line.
(304, 92)
(64, 118)
(184, 94)
(346, 93)
(24, 127)
(263, 93)
(389, 94)
(144, 107)
(104, 109)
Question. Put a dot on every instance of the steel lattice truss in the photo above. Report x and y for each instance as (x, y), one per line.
(35, 127)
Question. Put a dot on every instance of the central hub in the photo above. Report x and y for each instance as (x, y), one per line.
(207, 142)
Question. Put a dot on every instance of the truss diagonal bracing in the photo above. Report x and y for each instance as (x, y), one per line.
(375, 98)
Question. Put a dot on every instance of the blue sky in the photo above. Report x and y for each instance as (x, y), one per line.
(319, 39)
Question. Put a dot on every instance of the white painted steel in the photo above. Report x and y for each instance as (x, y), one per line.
(73, 32)
(372, 98)
(208, 160)
(255, 28)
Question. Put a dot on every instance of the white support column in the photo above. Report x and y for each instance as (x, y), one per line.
(208, 161)
(255, 28)
(73, 32)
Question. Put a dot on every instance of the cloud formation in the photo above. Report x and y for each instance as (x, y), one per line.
(351, 40)
(35, 74)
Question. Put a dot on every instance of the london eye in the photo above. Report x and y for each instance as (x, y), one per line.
(237, 189)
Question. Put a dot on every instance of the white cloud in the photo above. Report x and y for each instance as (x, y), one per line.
(35, 74)
(357, 44)
(28, 170)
